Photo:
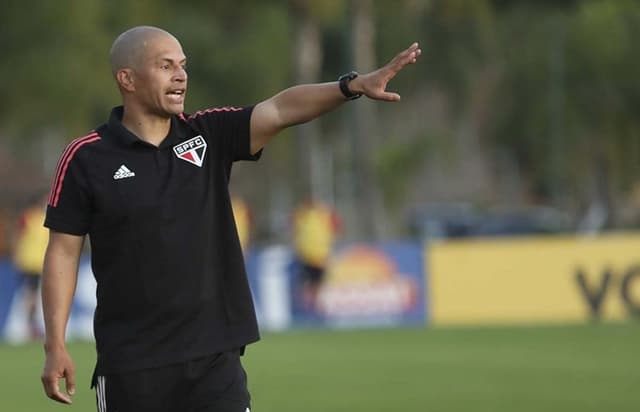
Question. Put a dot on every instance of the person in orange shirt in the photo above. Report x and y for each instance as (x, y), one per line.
(315, 229)
(28, 257)
(242, 217)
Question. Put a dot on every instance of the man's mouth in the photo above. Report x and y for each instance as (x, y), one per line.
(176, 92)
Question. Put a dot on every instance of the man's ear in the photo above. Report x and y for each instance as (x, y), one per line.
(125, 78)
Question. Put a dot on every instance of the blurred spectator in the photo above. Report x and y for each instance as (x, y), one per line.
(315, 228)
(4, 232)
(242, 216)
(31, 244)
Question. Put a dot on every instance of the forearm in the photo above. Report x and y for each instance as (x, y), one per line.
(300, 104)
(292, 106)
(59, 280)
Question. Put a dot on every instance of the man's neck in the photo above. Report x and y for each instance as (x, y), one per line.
(152, 129)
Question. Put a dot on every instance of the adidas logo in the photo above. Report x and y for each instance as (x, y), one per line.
(123, 172)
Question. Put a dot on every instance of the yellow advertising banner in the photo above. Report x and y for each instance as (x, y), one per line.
(534, 279)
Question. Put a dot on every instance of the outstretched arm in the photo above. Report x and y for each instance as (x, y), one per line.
(299, 104)
(59, 278)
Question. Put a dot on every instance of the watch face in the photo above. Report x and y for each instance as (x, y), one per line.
(348, 76)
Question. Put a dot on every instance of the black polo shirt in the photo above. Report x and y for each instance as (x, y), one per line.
(164, 247)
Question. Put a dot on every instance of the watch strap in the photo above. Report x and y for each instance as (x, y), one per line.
(343, 81)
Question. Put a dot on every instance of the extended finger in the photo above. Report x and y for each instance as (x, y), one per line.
(388, 96)
(416, 53)
(410, 55)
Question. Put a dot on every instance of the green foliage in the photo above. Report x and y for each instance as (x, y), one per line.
(568, 92)
(60, 77)
(395, 163)
(551, 84)
(240, 63)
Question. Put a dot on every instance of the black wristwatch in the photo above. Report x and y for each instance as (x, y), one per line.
(344, 85)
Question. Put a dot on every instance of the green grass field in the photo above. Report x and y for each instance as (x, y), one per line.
(559, 368)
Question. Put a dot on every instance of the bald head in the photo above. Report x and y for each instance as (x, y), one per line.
(130, 47)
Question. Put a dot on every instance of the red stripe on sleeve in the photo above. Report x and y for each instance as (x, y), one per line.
(63, 164)
(215, 109)
(65, 154)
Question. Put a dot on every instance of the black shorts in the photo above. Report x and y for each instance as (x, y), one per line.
(311, 274)
(31, 281)
(213, 383)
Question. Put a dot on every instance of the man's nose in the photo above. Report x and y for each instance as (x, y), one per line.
(181, 75)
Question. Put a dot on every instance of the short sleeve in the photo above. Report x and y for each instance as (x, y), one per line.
(230, 127)
(69, 205)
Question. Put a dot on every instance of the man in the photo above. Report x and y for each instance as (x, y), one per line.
(242, 217)
(150, 188)
(28, 256)
(316, 226)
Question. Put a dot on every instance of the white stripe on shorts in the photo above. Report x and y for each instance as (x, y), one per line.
(100, 395)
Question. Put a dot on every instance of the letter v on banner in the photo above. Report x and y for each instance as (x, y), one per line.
(192, 150)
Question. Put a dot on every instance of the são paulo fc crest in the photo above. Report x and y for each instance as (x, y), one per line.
(192, 150)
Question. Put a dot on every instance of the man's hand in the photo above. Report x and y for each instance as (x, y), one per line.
(374, 84)
(58, 365)
(300, 104)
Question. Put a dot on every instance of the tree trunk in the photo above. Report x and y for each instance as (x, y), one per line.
(314, 175)
(370, 207)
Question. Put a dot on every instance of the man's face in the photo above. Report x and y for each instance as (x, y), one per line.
(161, 77)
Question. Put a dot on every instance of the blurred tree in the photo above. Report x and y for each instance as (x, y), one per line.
(306, 56)
(513, 102)
(445, 99)
(602, 89)
(365, 131)
(57, 72)
(564, 108)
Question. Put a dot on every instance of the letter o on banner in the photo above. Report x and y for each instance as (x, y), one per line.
(626, 290)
